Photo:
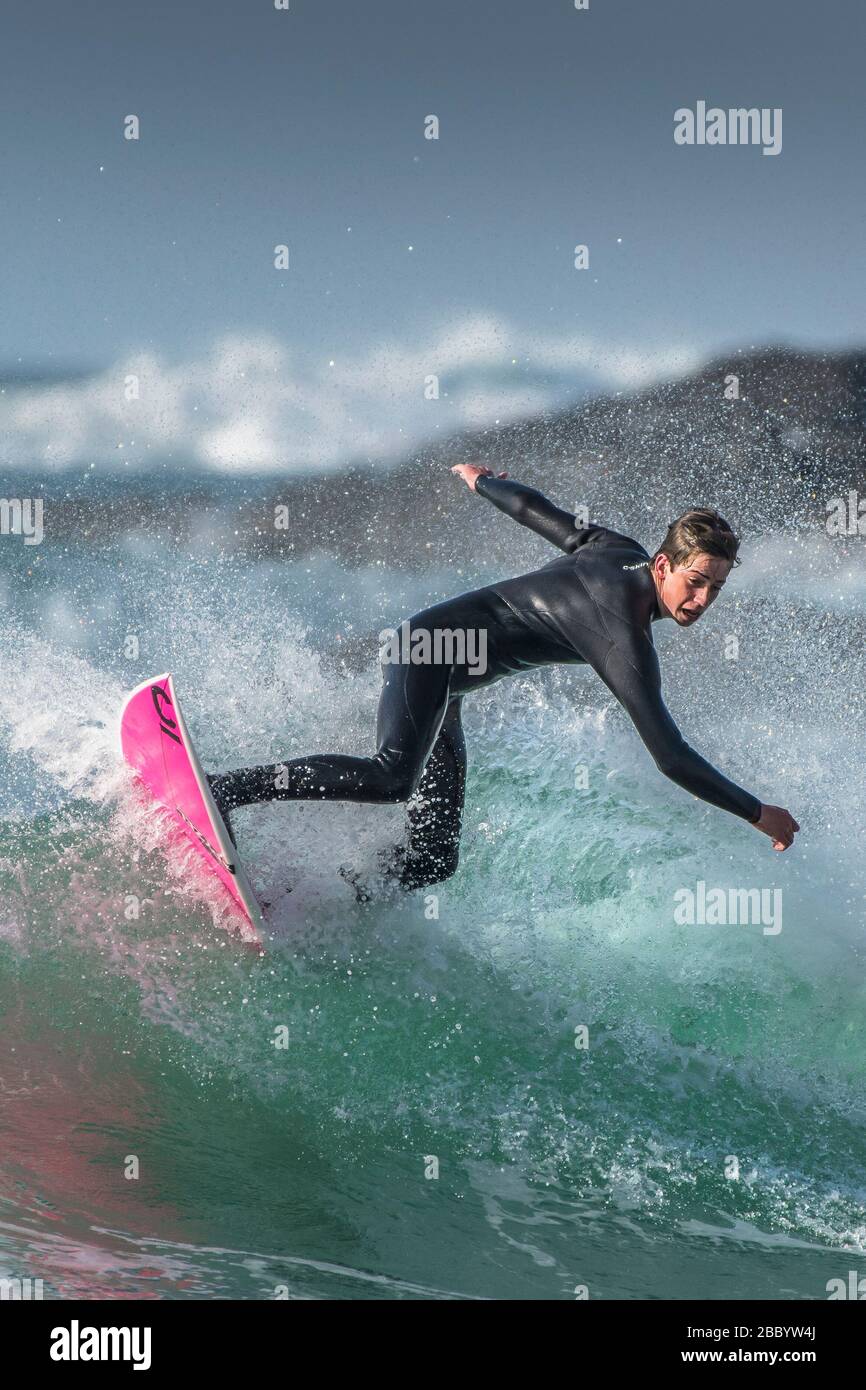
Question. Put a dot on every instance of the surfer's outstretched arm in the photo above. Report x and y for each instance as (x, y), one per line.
(638, 689)
(526, 505)
(636, 683)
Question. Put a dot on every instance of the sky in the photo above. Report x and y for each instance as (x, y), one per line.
(305, 127)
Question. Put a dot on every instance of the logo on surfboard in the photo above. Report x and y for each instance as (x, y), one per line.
(166, 723)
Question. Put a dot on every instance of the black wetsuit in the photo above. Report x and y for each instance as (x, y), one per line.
(594, 604)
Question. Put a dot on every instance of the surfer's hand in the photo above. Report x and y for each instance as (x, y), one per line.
(779, 824)
(470, 471)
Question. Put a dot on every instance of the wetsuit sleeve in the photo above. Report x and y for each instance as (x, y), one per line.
(531, 508)
(638, 689)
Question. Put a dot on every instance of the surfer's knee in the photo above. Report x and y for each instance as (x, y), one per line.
(396, 785)
(398, 778)
(403, 785)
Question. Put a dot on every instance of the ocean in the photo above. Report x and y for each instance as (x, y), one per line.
(531, 1082)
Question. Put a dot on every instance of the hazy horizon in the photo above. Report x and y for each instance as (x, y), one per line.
(408, 257)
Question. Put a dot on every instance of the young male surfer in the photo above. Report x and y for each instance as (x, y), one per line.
(595, 604)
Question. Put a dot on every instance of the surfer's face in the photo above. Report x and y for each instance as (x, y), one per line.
(686, 591)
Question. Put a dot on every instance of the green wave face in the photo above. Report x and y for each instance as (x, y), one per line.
(531, 1079)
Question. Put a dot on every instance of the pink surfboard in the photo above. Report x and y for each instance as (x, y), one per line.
(156, 742)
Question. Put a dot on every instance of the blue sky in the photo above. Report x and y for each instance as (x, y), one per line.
(261, 127)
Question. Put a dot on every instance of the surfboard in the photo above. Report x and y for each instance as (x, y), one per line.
(155, 741)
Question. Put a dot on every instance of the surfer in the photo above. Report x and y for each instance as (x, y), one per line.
(595, 604)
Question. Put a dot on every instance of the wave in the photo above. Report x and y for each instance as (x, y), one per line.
(440, 1025)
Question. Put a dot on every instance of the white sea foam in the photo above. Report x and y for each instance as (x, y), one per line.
(249, 404)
